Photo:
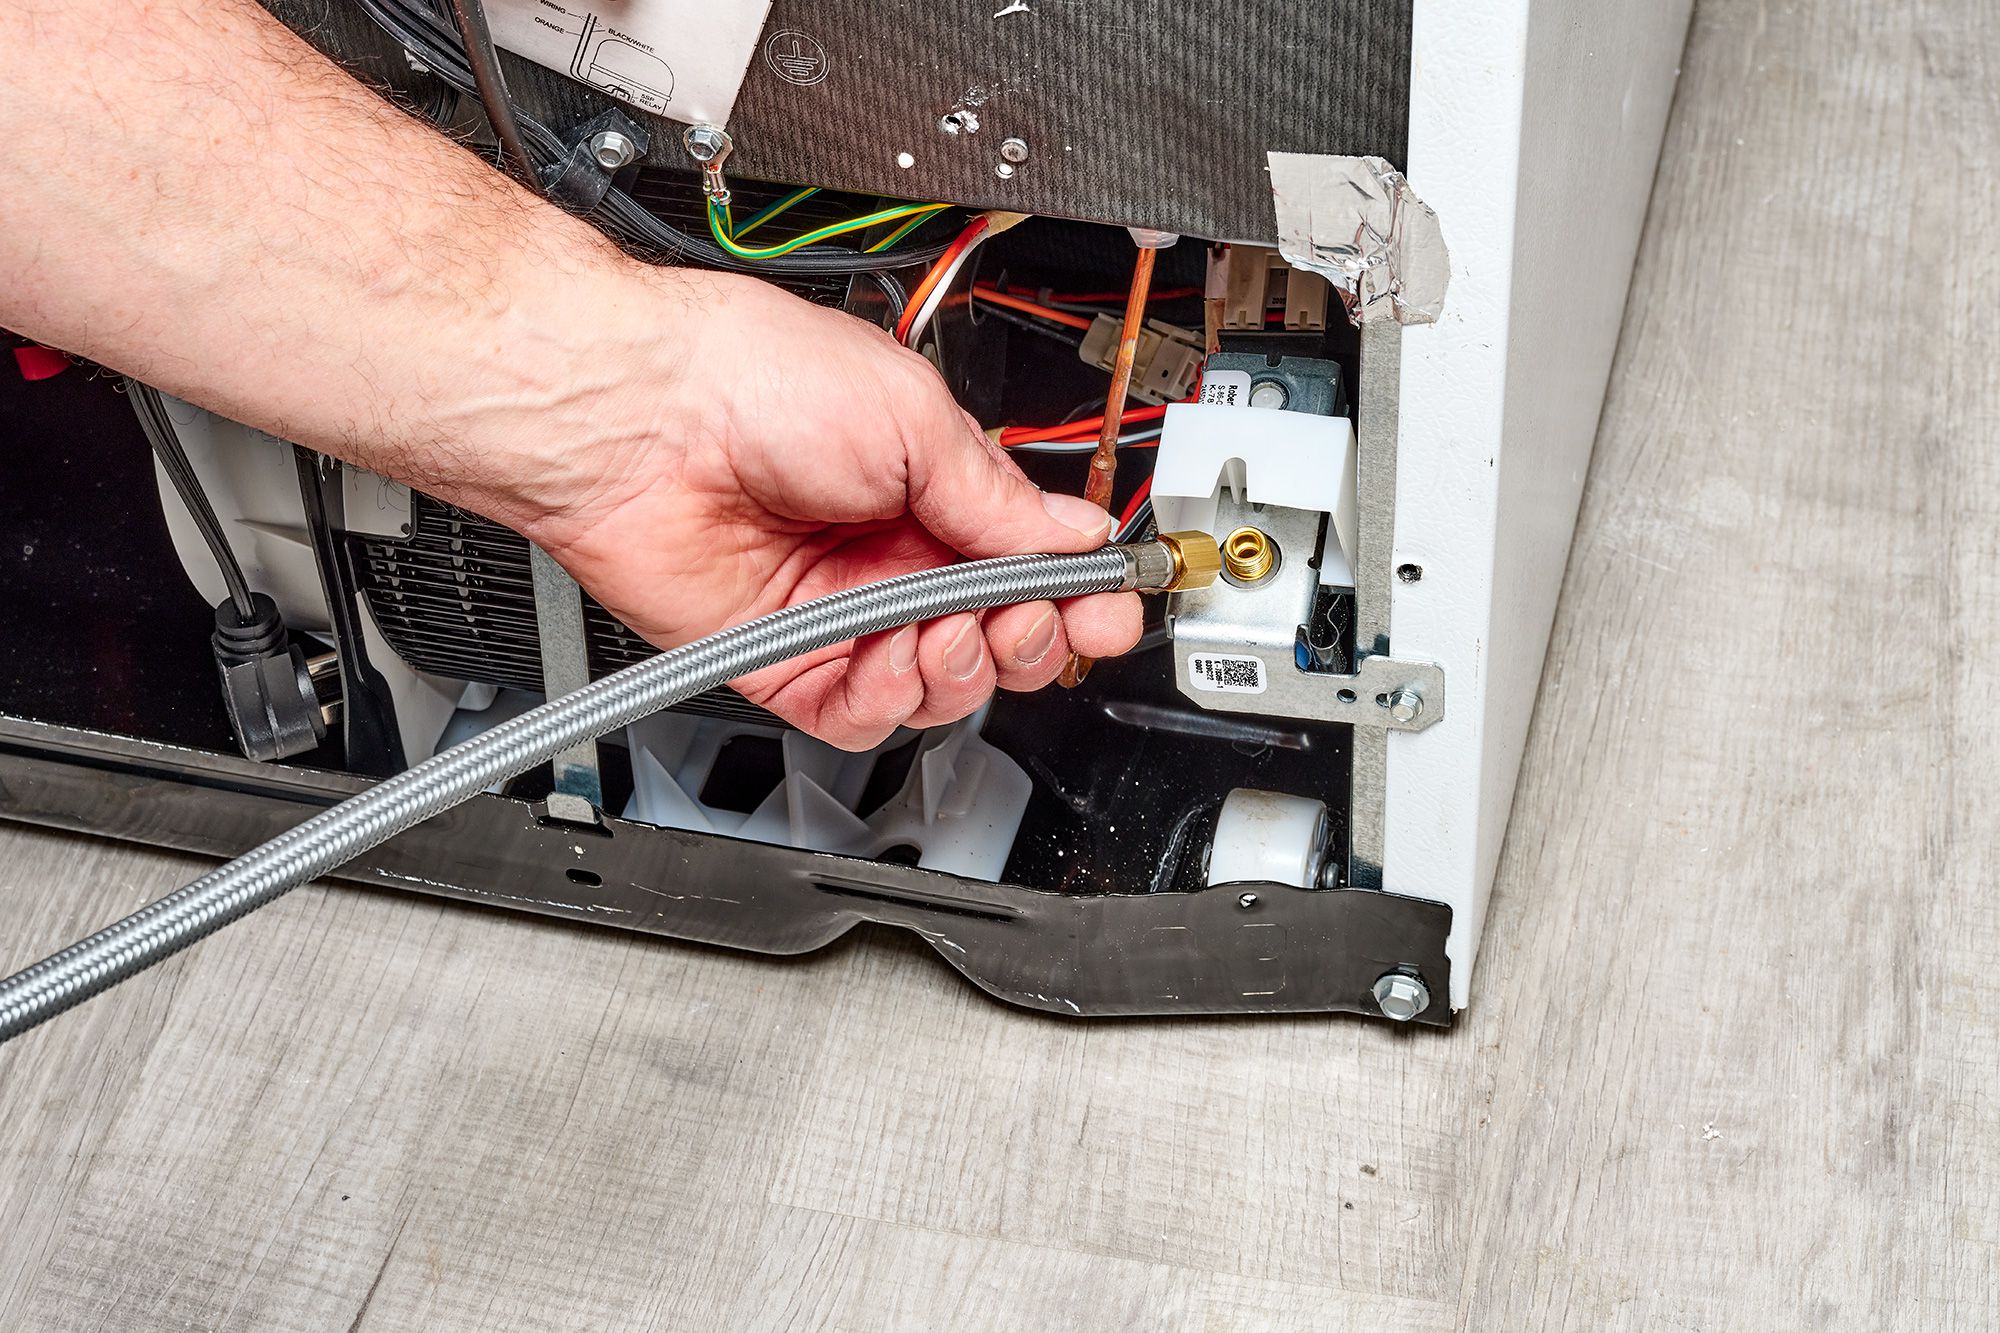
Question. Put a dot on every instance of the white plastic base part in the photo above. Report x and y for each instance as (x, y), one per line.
(1267, 836)
(959, 809)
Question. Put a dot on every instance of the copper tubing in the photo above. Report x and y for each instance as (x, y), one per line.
(1104, 463)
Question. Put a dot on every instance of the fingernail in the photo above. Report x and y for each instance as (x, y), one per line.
(1073, 511)
(903, 650)
(964, 654)
(1035, 644)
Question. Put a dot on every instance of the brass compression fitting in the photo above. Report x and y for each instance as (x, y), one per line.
(1172, 562)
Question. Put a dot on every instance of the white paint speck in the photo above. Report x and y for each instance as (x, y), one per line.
(1018, 7)
(906, 160)
(1709, 1131)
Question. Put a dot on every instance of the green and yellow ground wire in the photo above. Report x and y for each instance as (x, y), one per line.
(725, 237)
(898, 234)
(796, 197)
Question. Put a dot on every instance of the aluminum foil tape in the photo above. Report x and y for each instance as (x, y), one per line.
(1356, 222)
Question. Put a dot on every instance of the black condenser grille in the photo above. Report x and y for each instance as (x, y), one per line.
(456, 598)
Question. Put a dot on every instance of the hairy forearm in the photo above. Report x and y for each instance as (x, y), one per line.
(196, 197)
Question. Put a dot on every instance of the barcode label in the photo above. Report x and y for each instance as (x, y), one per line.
(1231, 675)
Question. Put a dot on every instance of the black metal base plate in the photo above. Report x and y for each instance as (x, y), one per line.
(1247, 948)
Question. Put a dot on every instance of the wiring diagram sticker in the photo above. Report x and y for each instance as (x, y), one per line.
(675, 58)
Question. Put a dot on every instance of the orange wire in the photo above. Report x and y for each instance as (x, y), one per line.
(973, 230)
(1098, 298)
(994, 296)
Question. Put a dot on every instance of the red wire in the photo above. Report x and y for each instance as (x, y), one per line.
(1132, 506)
(1085, 426)
(1123, 444)
(965, 240)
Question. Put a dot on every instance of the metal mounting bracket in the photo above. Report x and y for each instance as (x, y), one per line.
(1236, 644)
(1382, 691)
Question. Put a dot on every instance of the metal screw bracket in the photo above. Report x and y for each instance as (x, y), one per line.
(612, 149)
(710, 146)
(1401, 996)
(593, 153)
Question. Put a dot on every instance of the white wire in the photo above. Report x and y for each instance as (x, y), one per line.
(1081, 446)
(938, 293)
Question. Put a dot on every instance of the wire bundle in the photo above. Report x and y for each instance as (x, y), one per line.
(731, 238)
(151, 410)
(1071, 432)
(930, 293)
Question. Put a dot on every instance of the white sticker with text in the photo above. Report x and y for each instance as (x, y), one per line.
(1226, 674)
(674, 58)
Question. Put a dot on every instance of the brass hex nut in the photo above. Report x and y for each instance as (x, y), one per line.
(1197, 559)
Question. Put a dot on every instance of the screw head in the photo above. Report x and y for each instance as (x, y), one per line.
(1014, 150)
(1405, 704)
(1246, 900)
(612, 149)
(1005, 171)
(705, 143)
(1401, 996)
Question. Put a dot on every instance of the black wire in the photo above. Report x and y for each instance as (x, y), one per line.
(1032, 324)
(1140, 518)
(484, 59)
(893, 292)
(159, 428)
(438, 47)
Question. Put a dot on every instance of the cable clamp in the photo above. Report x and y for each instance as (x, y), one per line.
(602, 146)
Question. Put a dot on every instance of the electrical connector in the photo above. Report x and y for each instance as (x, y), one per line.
(274, 707)
(1254, 282)
(1167, 364)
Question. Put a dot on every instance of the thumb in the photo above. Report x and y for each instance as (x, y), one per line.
(971, 496)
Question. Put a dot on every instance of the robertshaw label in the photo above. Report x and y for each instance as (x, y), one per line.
(674, 58)
(1226, 674)
(1226, 388)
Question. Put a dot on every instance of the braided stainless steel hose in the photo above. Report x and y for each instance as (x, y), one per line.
(332, 838)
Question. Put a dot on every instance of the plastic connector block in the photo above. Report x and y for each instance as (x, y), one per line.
(1167, 364)
(1254, 283)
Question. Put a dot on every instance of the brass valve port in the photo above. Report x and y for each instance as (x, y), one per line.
(1249, 555)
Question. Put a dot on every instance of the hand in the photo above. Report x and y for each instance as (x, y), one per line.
(778, 452)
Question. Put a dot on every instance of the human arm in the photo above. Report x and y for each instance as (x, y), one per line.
(199, 199)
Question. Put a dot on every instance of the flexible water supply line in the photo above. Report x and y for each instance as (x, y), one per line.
(332, 838)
